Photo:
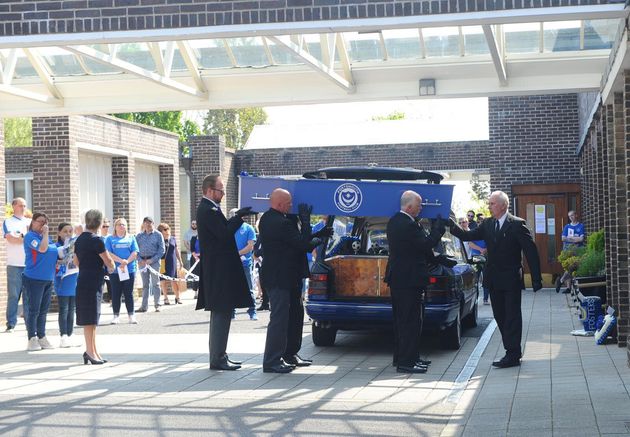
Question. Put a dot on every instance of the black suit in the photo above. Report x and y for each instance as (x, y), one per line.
(502, 274)
(222, 282)
(283, 269)
(410, 250)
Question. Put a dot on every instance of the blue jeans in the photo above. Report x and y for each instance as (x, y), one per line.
(14, 291)
(252, 309)
(150, 284)
(122, 288)
(67, 306)
(39, 294)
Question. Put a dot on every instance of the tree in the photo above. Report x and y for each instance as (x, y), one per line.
(167, 120)
(234, 124)
(396, 115)
(479, 194)
(18, 132)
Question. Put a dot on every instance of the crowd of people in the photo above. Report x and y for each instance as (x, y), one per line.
(84, 260)
(225, 250)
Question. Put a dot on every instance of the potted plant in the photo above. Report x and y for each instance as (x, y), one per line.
(590, 271)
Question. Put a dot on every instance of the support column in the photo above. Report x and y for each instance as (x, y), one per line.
(207, 153)
(124, 191)
(55, 171)
(169, 196)
(3, 242)
(609, 196)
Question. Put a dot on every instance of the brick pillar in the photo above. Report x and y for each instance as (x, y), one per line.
(3, 242)
(600, 175)
(169, 196)
(609, 196)
(207, 153)
(621, 204)
(55, 171)
(124, 191)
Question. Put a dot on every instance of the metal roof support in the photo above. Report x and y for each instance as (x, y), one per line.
(156, 54)
(43, 72)
(327, 44)
(14, 91)
(6, 73)
(495, 45)
(268, 51)
(112, 61)
(340, 44)
(314, 63)
(191, 62)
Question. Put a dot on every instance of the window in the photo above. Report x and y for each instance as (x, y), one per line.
(20, 185)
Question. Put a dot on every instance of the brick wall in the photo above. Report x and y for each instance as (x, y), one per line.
(56, 145)
(55, 175)
(207, 153)
(436, 156)
(44, 16)
(533, 140)
(18, 160)
(169, 197)
(3, 242)
(603, 160)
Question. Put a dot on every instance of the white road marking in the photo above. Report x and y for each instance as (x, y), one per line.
(469, 368)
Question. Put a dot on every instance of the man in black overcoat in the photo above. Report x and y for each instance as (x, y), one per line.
(283, 269)
(410, 250)
(222, 282)
(506, 237)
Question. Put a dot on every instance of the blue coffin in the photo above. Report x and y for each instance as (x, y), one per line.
(346, 198)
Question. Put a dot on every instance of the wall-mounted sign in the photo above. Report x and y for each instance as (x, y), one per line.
(540, 217)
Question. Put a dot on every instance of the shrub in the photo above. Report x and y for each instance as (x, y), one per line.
(593, 263)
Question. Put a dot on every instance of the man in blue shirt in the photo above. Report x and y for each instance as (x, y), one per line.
(151, 248)
(573, 236)
(245, 237)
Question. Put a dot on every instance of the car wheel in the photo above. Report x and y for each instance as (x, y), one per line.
(323, 336)
(453, 334)
(470, 321)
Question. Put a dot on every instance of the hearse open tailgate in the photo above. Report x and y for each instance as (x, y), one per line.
(358, 276)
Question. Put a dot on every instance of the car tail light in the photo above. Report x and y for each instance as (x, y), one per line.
(433, 280)
(318, 284)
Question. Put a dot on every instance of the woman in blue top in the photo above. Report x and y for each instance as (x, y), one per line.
(123, 248)
(41, 260)
(66, 283)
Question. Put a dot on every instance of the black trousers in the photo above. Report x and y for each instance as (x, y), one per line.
(407, 312)
(286, 323)
(506, 307)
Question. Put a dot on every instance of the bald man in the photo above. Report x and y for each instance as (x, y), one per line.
(506, 237)
(410, 250)
(283, 269)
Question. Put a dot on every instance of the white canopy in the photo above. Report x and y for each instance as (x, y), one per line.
(529, 51)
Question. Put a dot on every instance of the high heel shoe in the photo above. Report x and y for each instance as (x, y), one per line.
(87, 358)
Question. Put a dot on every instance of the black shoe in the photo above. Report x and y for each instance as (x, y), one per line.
(504, 363)
(87, 358)
(263, 308)
(566, 291)
(297, 361)
(411, 369)
(225, 366)
(230, 361)
(141, 310)
(558, 285)
(279, 368)
(423, 362)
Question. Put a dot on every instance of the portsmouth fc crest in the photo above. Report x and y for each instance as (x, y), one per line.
(348, 198)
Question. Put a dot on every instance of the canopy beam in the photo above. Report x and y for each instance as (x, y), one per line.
(113, 61)
(495, 45)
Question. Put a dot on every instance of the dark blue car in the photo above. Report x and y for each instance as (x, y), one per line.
(346, 289)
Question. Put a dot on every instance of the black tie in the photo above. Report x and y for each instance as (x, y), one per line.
(497, 228)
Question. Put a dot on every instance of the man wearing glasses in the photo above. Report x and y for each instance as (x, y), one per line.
(222, 283)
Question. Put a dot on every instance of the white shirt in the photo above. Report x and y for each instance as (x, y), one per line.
(502, 220)
(408, 215)
(15, 251)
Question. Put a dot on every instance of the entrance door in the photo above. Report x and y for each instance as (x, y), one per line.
(545, 208)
